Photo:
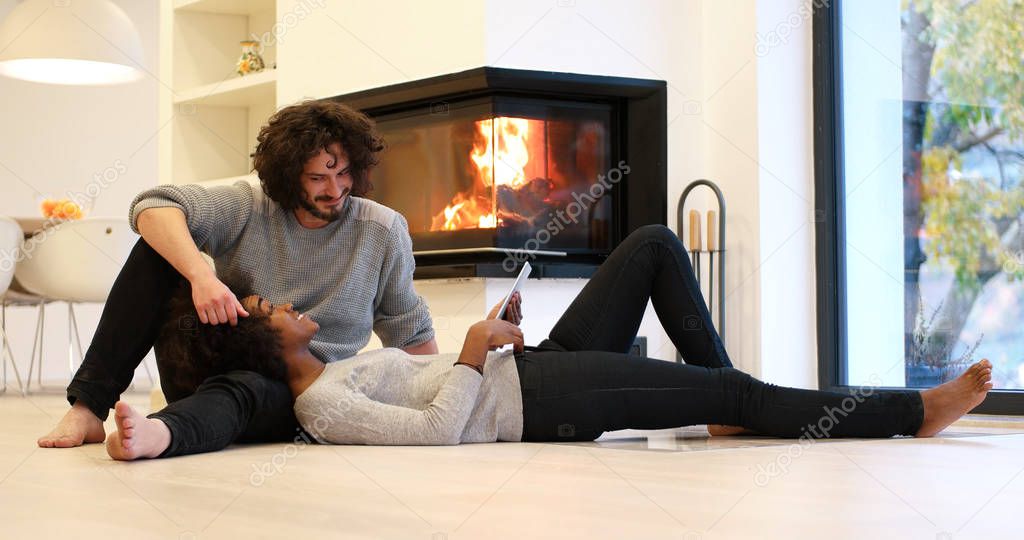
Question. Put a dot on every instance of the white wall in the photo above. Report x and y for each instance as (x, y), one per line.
(756, 116)
(728, 126)
(785, 153)
(351, 45)
(55, 140)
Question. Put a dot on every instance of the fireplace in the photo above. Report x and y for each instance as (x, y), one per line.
(492, 167)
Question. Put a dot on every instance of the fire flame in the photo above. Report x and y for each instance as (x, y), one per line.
(497, 163)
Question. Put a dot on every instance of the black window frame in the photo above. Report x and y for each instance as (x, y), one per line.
(830, 226)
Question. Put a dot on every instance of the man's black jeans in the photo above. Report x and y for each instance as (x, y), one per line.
(580, 383)
(237, 406)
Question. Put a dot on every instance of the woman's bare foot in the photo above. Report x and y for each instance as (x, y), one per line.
(947, 402)
(136, 436)
(717, 430)
(79, 426)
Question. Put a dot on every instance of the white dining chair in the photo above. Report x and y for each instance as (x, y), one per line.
(75, 262)
(10, 246)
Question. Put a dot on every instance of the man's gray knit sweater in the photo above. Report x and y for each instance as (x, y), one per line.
(352, 275)
(389, 397)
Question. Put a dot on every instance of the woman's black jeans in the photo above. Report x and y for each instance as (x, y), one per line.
(239, 406)
(580, 383)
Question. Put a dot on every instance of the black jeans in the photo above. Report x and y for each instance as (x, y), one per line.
(578, 383)
(238, 406)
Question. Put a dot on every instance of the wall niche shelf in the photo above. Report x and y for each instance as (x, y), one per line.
(210, 114)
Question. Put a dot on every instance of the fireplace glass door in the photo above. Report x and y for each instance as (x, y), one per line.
(501, 172)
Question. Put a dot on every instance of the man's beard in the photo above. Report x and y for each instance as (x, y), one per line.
(333, 215)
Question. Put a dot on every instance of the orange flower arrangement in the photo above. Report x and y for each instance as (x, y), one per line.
(61, 209)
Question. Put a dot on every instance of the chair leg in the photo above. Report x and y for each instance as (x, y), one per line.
(8, 354)
(36, 338)
(71, 346)
(73, 323)
(74, 338)
(40, 328)
(32, 357)
(3, 328)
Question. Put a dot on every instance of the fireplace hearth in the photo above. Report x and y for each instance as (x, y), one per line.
(493, 167)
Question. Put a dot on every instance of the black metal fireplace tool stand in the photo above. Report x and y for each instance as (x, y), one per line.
(689, 230)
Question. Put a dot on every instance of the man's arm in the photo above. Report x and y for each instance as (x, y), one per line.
(166, 231)
(427, 347)
(178, 221)
(400, 316)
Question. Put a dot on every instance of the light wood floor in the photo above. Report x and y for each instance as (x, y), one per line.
(681, 484)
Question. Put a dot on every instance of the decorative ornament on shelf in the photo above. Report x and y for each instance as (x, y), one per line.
(250, 61)
(62, 209)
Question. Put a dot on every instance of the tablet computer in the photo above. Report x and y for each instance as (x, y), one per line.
(518, 285)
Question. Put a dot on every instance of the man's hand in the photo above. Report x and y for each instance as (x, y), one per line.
(514, 311)
(215, 303)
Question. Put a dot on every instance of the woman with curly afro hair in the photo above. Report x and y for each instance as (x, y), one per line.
(190, 352)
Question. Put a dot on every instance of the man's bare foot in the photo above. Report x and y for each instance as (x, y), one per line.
(717, 430)
(136, 436)
(79, 426)
(947, 402)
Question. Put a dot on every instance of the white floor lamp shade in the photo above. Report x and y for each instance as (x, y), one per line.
(81, 42)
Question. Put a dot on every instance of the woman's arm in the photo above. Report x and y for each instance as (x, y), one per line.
(353, 417)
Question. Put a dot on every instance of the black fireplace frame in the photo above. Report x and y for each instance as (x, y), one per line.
(639, 113)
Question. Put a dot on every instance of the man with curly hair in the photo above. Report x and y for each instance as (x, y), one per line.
(308, 236)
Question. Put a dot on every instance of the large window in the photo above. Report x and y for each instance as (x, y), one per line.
(919, 112)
